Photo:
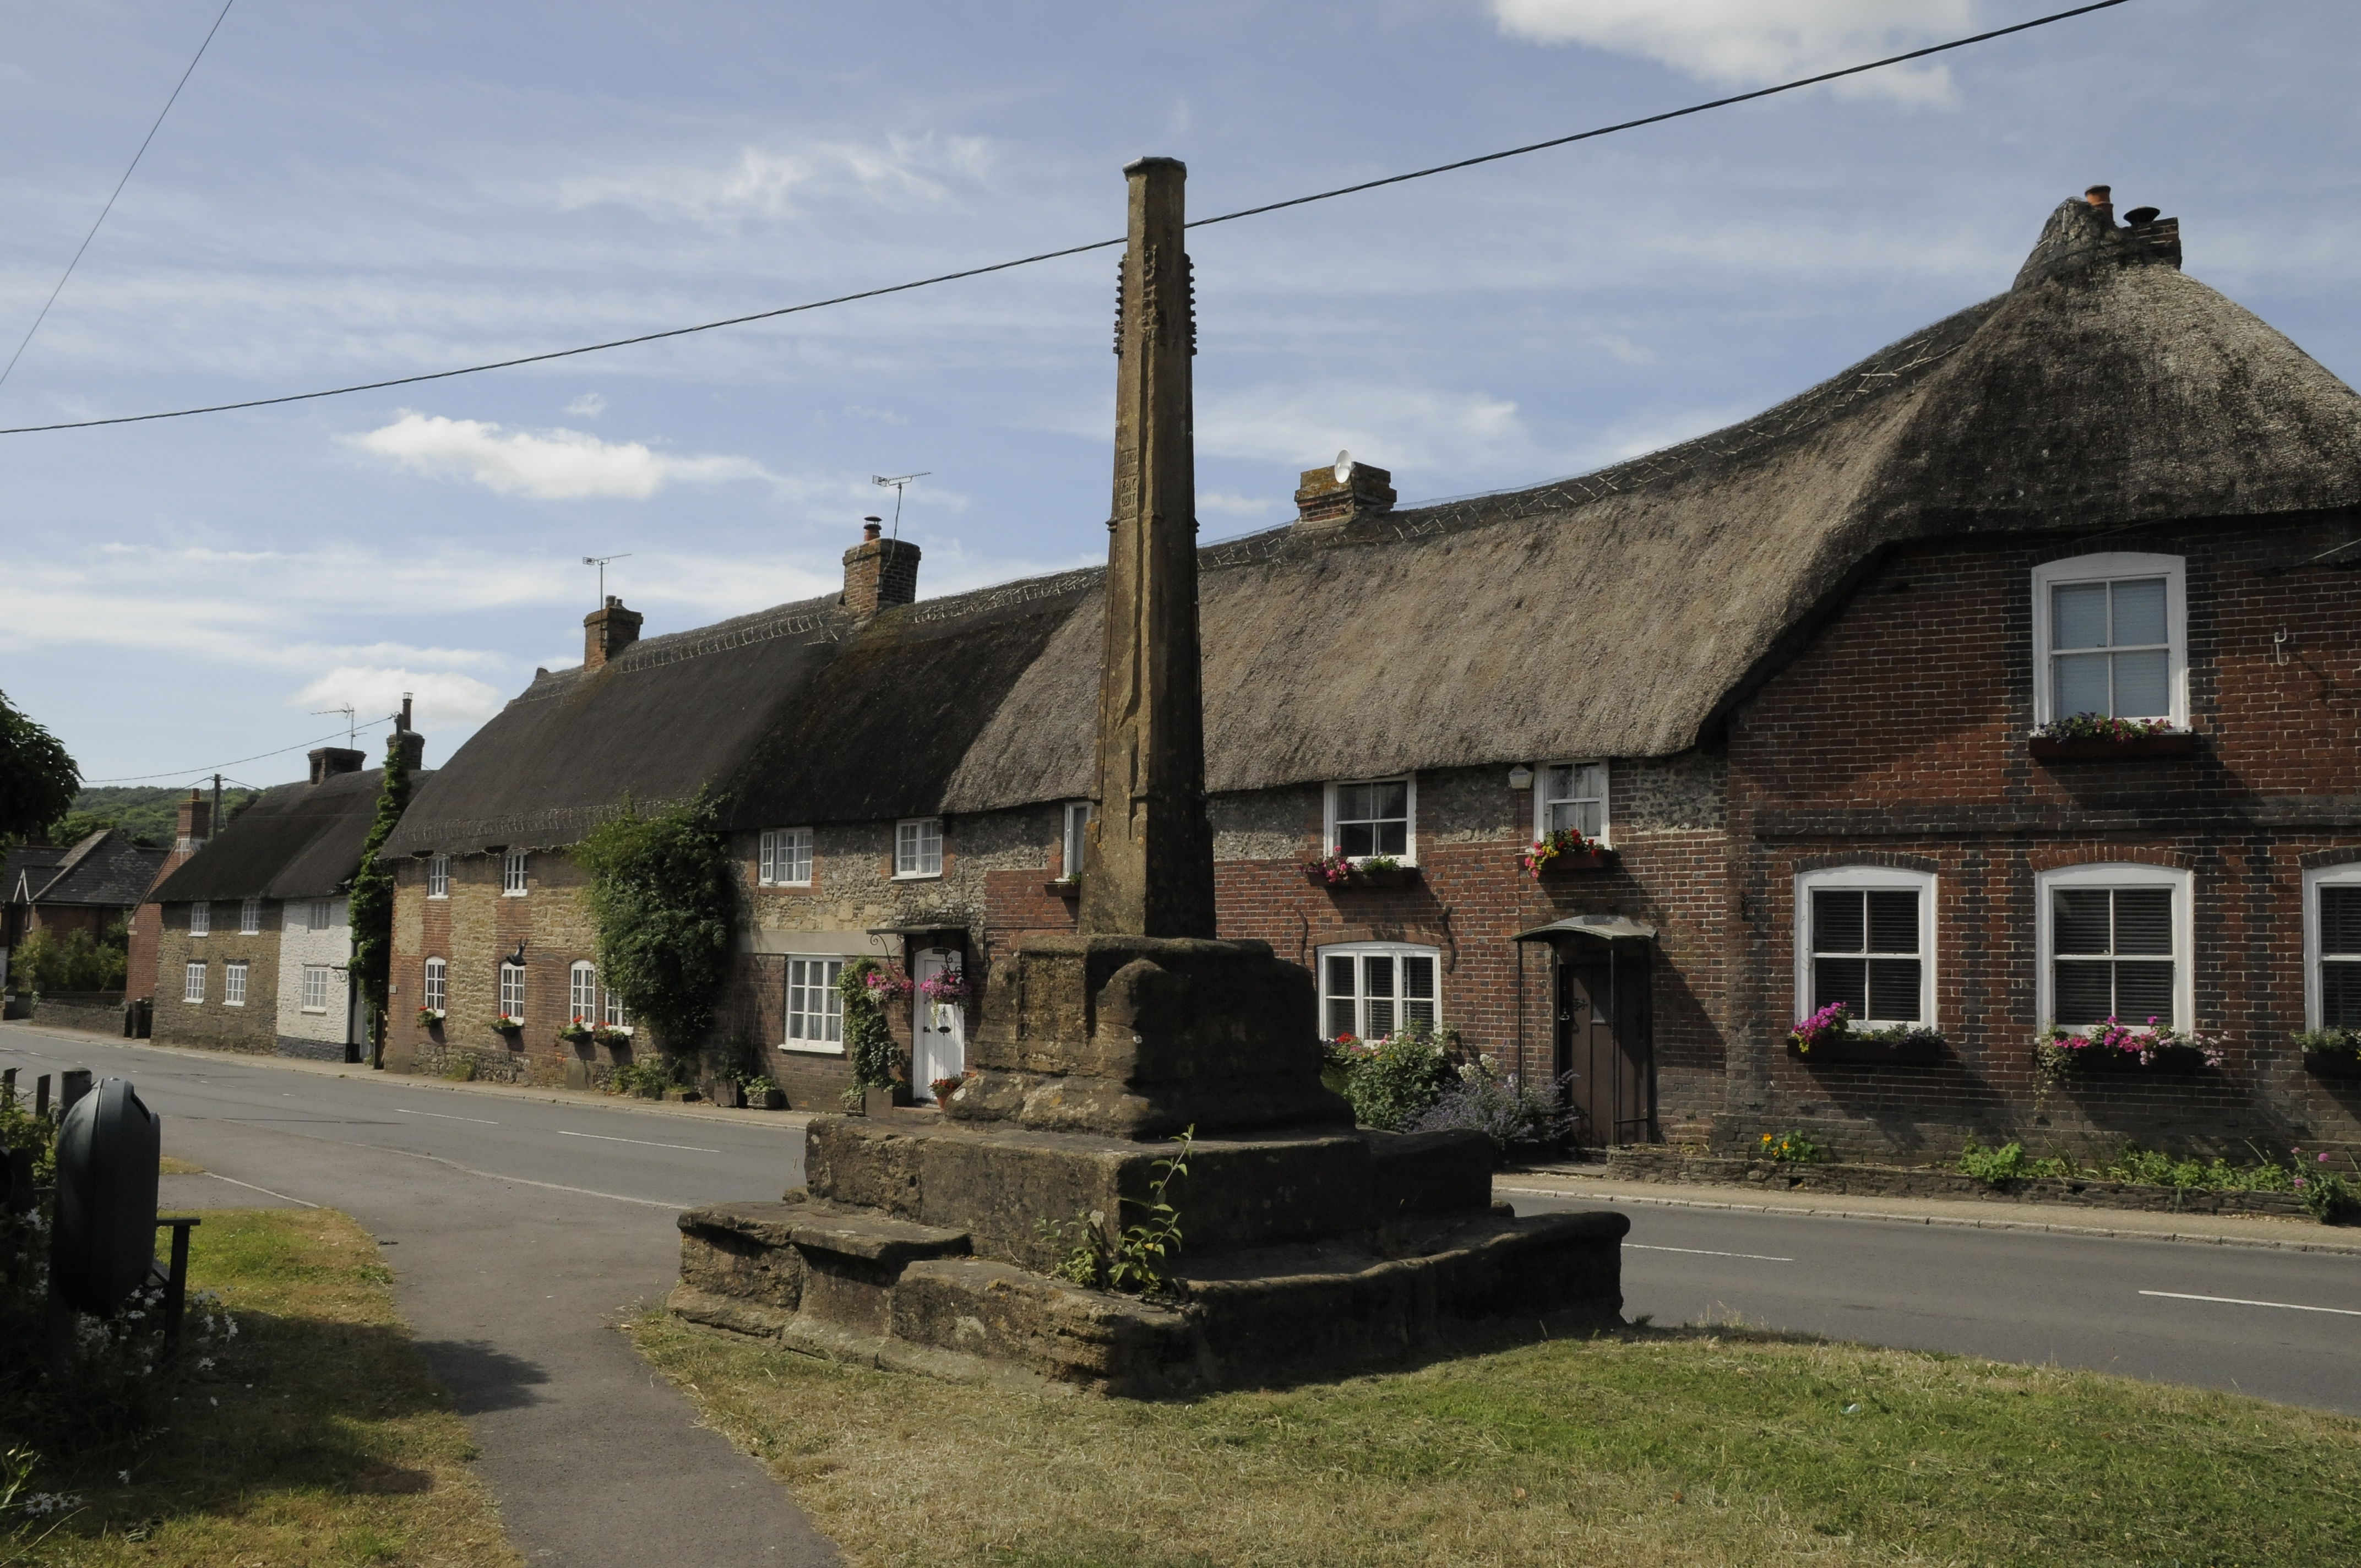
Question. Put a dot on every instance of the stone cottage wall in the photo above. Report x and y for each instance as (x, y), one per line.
(253, 1027)
(318, 1033)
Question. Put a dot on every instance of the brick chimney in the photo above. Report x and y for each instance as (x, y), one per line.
(408, 742)
(878, 574)
(329, 761)
(607, 630)
(1334, 496)
(194, 825)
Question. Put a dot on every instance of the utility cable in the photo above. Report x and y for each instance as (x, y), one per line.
(119, 184)
(216, 767)
(1074, 249)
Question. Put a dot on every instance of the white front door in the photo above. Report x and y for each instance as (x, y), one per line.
(940, 1034)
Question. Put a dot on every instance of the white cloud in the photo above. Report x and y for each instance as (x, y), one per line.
(1398, 428)
(441, 697)
(899, 173)
(550, 466)
(589, 405)
(1752, 43)
(1235, 505)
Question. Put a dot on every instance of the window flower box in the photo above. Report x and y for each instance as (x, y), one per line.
(504, 1023)
(2116, 1047)
(2332, 1053)
(1565, 851)
(429, 1017)
(1338, 871)
(2090, 738)
(1828, 1037)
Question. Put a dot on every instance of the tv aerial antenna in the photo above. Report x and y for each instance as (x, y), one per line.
(600, 562)
(351, 728)
(896, 483)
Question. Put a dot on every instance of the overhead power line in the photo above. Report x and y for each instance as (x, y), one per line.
(1080, 249)
(44, 313)
(210, 768)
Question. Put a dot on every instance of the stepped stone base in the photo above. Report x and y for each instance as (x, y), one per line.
(916, 1248)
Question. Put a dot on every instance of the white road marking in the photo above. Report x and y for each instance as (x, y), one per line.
(266, 1191)
(2242, 1301)
(441, 1116)
(643, 1143)
(1707, 1252)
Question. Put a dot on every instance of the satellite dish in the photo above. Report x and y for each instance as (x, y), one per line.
(1343, 466)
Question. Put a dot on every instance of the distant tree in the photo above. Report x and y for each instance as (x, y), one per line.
(76, 826)
(372, 901)
(663, 895)
(37, 780)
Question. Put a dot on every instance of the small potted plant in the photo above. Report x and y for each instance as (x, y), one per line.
(944, 1088)
(763, 1094)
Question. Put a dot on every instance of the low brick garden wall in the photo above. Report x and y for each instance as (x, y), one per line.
(1683, 1167)
(99, 1012)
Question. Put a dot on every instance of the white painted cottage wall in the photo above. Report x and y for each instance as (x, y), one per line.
(299, 945)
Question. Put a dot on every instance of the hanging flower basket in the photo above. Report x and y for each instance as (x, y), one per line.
(945, 986)
(886, 984)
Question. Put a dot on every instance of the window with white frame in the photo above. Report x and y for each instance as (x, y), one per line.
(438, 983)
(315, 988)
(438, 876)
(234, 984)
(512, 990)
(2111, 638)
(2332, 947)
(787, 858)
(512, 873)
(918, 848)
(1372, 817)
(1368, 990)
(316, 916)
(249, 918)
(1077, 819)
(2115, 943)
(201, 919)
(1572, 794)
(1865, 938)
(582, 992)
(617, 1016)
(815, 1009)
(193, 981)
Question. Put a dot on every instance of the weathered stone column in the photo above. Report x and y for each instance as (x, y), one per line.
(1148, 868)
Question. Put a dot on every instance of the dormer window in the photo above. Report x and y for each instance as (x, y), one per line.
(438, 876)
(2110, 639)
(1374, 817)
(201, 918)
(512, 873)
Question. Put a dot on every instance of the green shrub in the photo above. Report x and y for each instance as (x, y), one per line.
(864, 985)
(664, 898)
(1792, 1148)
(48, 963)
(1391, 1081)
(2007, 1163)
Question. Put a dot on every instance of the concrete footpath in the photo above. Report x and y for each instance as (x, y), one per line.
(1593, 1184)
(523, 1227)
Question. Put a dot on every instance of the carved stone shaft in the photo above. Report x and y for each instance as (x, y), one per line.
(1148, 867)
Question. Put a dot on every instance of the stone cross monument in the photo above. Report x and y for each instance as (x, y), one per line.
(941, 1243)
(1149, 867)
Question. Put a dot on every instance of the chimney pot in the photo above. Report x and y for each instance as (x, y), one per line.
(879, 574)
(2103, 197)
(607, 630)
(871, 529)
(1326, 500)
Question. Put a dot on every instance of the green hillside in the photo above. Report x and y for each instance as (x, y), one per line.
(148, 812)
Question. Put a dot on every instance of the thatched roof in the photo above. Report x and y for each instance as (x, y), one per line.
(298, 840)
(1617, 614)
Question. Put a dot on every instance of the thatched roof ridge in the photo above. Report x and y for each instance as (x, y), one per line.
(1618, 613)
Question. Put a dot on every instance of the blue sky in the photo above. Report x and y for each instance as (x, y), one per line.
(346, 192)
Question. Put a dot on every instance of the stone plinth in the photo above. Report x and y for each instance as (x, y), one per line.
(1143, 1036)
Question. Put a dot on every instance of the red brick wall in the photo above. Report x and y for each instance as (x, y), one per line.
(1899, 735)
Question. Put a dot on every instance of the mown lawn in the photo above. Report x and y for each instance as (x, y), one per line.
(315, 1438)
(1656, 1447)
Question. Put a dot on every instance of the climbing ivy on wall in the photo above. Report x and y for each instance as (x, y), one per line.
(372, 902)
(665, 900)
(869, 1044)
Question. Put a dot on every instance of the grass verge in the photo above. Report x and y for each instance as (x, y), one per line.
(1653, 1447)
(315, 1437)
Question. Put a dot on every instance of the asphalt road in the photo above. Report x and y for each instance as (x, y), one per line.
(2284, 1325)
(521, 1233)
(522, 1230)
